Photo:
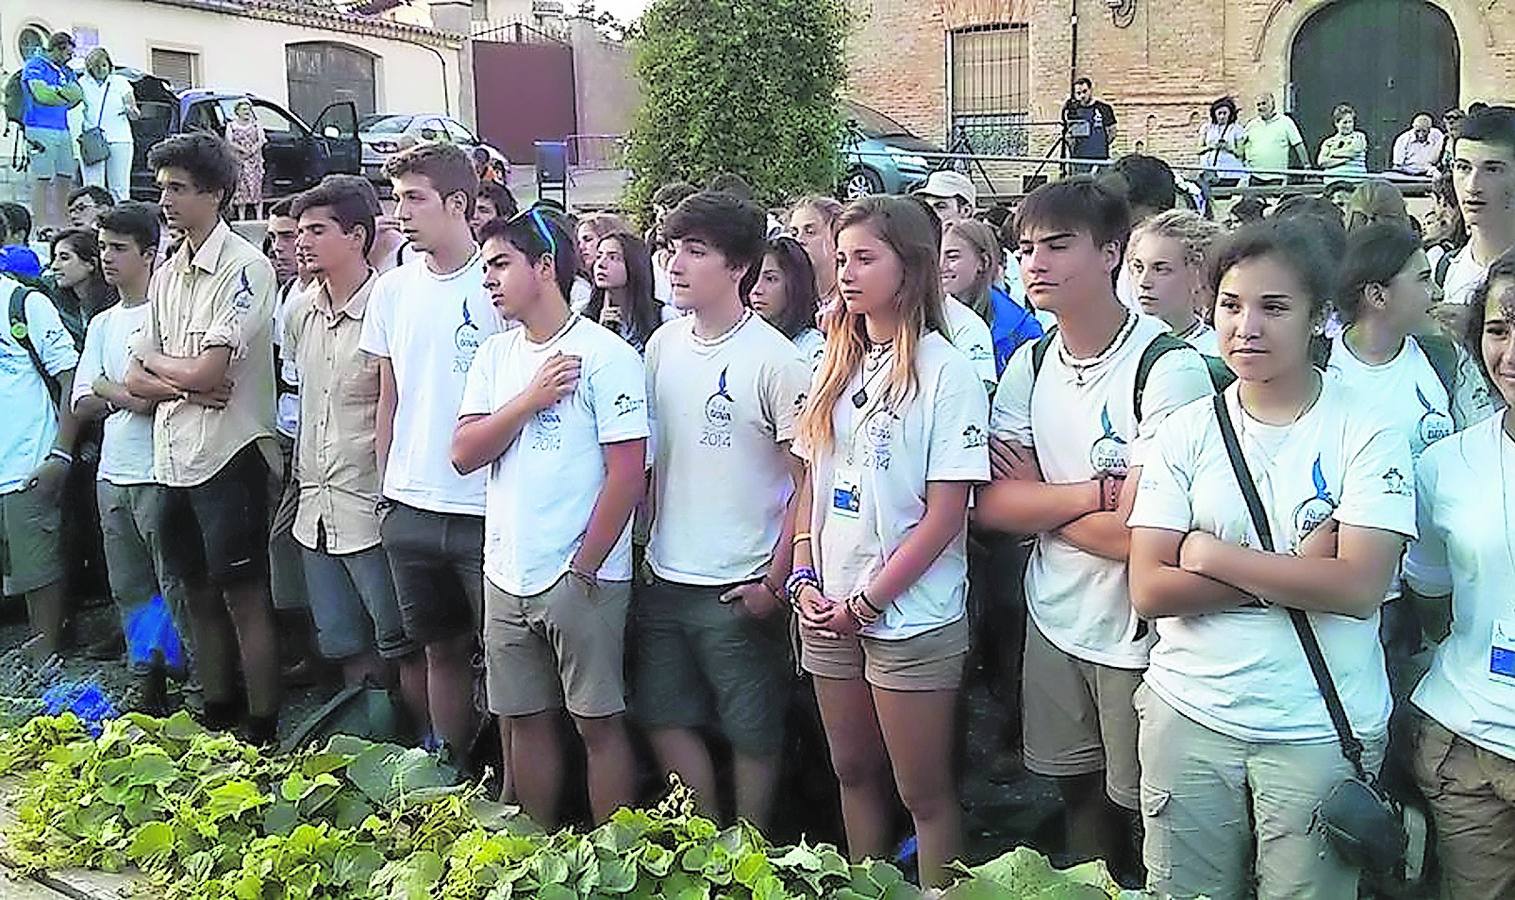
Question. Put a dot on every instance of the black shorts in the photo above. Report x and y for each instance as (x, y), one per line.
(438, 564)
(217, 531)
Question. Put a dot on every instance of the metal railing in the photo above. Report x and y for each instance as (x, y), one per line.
(596, 151)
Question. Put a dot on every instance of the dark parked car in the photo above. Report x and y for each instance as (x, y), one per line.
(296, 156)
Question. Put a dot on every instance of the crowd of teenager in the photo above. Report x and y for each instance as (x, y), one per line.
(517, 466)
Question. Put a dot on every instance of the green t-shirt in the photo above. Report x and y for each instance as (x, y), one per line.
(1267, 142)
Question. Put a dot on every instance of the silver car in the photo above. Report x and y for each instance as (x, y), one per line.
(383, 135)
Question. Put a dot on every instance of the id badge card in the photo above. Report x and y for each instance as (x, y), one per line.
(1502, 652)
(846, 494)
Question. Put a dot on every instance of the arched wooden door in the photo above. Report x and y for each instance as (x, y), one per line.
(321, 73)
(1389, 59)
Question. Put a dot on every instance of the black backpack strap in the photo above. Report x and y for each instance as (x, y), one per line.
(21, 332)
(1443, 266)
(1351, 747)
(1039, 352)
(1441, 353)
(1160, 347)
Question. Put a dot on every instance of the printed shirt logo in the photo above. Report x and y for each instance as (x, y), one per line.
(1110, 455)
(465, 340)
(1434, 424)
(625, 404)
(547, 430)
(975, 437)
(1394, 482)
(242, 297)
(720, 409)
(1310, 514)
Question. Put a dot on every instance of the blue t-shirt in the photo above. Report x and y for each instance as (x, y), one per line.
(37, 115)
(1012, 326)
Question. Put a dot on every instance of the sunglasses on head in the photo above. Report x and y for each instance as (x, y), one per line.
(539, 222)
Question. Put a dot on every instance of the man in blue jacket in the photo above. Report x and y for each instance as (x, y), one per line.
(51, 89)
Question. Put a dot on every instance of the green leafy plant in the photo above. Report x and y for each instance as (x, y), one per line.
(747, 86)
(205, 817)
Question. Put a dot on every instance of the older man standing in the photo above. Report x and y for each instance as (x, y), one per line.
(52, 89)
(1418, 150)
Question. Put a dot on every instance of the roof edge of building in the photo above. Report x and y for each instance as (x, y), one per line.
(300, 14)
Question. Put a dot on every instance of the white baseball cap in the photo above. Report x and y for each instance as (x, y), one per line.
(949, 183)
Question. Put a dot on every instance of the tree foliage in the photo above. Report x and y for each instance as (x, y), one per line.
(744, 86)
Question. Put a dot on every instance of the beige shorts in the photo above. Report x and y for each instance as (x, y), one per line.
(31, 557)
(1078, 719)
(1230, 819)
(561, 648)
(932, 661)
(1472, 795)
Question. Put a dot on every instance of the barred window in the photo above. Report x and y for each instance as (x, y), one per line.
(991, 88)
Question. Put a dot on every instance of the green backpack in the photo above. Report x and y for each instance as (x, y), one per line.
(15, 98)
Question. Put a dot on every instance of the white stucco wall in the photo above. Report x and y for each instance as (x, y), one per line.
(236, 53)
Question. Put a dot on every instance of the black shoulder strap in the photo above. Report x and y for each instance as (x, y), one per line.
(22, 334)
(1320, 351)
(1039, 352)
(1441, 353)
(1351, 747)
(1160, 346)
(1443, 266)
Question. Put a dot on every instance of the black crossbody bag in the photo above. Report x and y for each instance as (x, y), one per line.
(1363, 824)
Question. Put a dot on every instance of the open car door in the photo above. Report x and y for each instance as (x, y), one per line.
(336, 136)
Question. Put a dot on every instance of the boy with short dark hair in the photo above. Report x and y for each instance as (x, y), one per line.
(725, 389)
(1483, 175)
(85, 205)
(1066, 461)
(205, 356)
(131, 500)
(557, 410)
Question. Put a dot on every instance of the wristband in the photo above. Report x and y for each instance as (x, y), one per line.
(860, 609)
(800, 577)
(801, 538)
(61, 455)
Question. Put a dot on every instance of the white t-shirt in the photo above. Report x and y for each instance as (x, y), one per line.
(1242, 671)
(580, 294)
(542, 490)
(970, 334)
(1201, 337)
(1465, 550)
(105, 106)
(1464, 275)
(1080, 601)
(869, 490)
(721, 412)
(812, 346)
(1409, 390)
(429, 326)
(126, 447)
(30, 424)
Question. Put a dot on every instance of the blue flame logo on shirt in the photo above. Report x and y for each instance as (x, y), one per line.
(1434, 424)
(719, 409)
(1110, 455)
(242, 297)
(466, 340)
(1310, 514)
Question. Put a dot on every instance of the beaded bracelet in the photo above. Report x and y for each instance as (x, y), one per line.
(864, 612)
(799, 578)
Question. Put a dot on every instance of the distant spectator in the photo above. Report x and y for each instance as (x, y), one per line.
(79, 289)
(1376, 200)
(1339, 193)
(1450, 121)
(812, 222)
(52, 89)
(586, 237)
(1445, 231)
(1089, 126)
(1246, 210)
(489, 167)
(1268, 142)
(1220, 142)
(16, 256)
(247, 141)
(85, 205)
(1346, 151)
(951, 195)
(1148, 185)
(1419, 150)
(495, 201)
(109, 105)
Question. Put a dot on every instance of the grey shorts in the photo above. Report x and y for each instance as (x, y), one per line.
(703, 662)
(31, 557)
(131, 523)
(1078, 718)
(352, 600)
(564, 647)
(437, 560)
(52, 153)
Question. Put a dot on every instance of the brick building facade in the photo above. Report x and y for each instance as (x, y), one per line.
(990, 65)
